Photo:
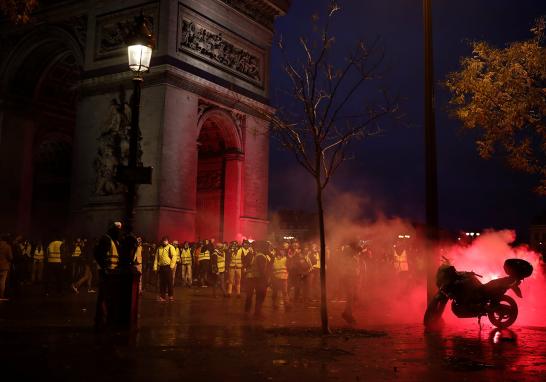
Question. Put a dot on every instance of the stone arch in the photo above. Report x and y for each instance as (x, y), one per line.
(52, 41)
(39, 83)
(231, 132)
(219, 176)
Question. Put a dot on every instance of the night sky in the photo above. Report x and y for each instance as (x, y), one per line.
(388, 171)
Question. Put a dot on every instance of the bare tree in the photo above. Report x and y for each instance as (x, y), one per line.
(323, 122)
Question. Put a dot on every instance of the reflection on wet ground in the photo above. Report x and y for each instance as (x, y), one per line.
(199, 338)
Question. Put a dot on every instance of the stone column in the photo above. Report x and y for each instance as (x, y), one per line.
(178, 165)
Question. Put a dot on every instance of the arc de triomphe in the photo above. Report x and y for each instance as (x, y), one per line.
(64, 114)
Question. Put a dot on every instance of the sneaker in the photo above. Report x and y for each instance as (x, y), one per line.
(91, 291)
(75, 289)
(171, 298)
(161, 299)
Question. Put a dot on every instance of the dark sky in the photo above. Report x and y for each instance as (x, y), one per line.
(388, 171)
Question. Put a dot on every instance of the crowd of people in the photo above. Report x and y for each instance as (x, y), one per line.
(290, 270)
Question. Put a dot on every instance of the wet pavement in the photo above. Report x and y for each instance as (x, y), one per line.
(199, 338)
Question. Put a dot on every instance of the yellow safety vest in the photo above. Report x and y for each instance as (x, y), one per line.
(279, 268)
(221, 261)
(186, 256)
(39, 255)
(203, 255)
(77, 251)
(316, 257)
(176, 256)
(237, 259)
(164, 256)
(401, 261)
(138, 255)
(112, 256)
(54, 252)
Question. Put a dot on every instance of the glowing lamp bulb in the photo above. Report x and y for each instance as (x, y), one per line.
(139, 58)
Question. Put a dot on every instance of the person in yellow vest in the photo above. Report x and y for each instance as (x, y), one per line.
(75, 258)
(137, 263)
(38, 257)
(186, 264)
(218, 269)
(164, 263)
(256, 277)
(106, 255)
(204, 263)
(400, 260)
(54, 266)
(176, 247)
(279, 280)
(236, 267)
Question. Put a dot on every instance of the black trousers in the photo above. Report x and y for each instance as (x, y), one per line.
(258, 286)
(165, 281)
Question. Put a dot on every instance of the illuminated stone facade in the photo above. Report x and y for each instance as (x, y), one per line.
(202, 124)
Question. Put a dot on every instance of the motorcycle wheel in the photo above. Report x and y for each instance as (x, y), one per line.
(435, 308)
(503, 313)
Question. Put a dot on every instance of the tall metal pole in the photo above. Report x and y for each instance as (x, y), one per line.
(431, 186)
(134, 134)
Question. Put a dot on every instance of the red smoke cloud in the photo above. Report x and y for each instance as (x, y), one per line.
(486, 256)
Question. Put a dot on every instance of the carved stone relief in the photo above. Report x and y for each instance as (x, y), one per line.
(109, 37)
(113, 147)
(212, 44)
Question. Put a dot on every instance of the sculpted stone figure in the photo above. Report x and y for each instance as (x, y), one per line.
(113, 148)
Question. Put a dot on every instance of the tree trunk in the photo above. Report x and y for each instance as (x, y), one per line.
(323, 295)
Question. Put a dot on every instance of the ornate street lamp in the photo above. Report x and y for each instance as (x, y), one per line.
(140, 44)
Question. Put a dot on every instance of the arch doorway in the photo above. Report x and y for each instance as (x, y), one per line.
(40, 89)
(218, 178)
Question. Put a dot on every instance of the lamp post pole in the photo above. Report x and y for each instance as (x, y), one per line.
(431, 175)
(139, 44)
(134, 135)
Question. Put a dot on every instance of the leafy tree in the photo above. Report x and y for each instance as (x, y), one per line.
(18, 11)
(502, 94)
(330, 108)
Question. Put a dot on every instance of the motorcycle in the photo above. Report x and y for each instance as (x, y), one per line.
(471, 298)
